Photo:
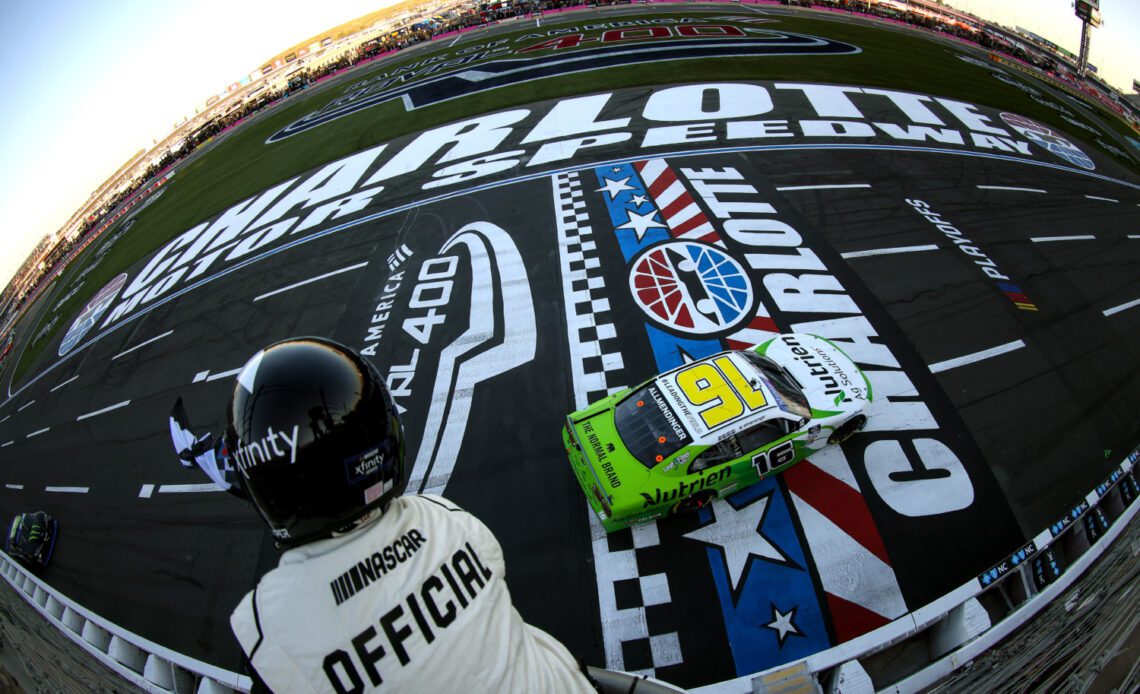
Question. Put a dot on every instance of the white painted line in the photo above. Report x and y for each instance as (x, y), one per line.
(1134, 236)
(1013, 188)
(976, 356)
(889, 251)
(67, 490)
(1122, 307)
(1097, 197)
(201, 376)
(311, 280)
(14, 486)
(455, 41)
(5, 445)
(37, 433)
(26, 405)
(65, 383)
(189, 488)
(146, 491)
(225, 374)
(142, 344)
(5, 419)
(1046, 239)
(116, 406)
(826, 187)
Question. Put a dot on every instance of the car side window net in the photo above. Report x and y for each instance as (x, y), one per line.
(726, 450)
(763, 434)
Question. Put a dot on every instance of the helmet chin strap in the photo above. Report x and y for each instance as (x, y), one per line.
(364, 520)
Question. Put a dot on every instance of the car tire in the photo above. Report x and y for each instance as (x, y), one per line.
(695, 502)
(847, 429)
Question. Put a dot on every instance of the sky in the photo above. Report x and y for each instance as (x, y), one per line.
(89, 84)
(86, 85)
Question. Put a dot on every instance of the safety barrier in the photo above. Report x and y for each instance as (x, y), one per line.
(961, 625)
(139, 661)
(951, 631)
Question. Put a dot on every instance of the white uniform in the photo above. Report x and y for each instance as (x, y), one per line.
(415, 601)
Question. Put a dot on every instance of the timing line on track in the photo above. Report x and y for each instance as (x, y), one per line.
(142, 344)
(975, 357)
(1123, 307)
(105, 410)
(1013, 189)
(833, 186)
(208, 377)
(148, 490)
(310, 280)
(65, 383)
(1047, 239)
(888, 251)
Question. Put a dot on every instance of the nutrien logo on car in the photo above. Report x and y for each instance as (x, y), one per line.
(691, 287)
(685, 488)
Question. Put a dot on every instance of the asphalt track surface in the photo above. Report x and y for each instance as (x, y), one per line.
(1034, 405)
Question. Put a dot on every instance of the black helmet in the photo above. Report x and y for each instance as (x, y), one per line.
(315, 437)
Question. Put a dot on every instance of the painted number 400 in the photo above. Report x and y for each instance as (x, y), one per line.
(432, 292)
(766, 461)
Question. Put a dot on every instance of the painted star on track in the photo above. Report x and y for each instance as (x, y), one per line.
(614, 187)
(641, 223)
(638, 200)
(783, 623)
(738, 533)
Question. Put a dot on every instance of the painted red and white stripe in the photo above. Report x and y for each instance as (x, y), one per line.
(855, 571)
(680, 212)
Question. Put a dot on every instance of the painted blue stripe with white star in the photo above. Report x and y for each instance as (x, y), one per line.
(637, 223)
(772, 613)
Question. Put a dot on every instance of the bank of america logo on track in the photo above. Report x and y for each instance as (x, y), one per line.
(690, 287)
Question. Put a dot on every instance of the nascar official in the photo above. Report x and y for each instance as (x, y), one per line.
(377, 591)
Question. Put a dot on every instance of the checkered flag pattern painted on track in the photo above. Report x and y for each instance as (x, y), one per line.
(599, 370)
(597, 363)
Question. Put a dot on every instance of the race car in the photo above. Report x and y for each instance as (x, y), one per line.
(713, 427)
(6, 343)
(31, 538)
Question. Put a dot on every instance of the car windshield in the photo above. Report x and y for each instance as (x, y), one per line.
(649, 427)
(17, 536)
(789, 392)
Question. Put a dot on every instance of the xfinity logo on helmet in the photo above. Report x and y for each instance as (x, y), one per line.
(269, 448)
(363, 466)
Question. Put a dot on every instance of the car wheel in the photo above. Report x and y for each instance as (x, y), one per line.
(847, 429)
(694, 502)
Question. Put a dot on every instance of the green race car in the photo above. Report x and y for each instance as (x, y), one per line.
(713, 427)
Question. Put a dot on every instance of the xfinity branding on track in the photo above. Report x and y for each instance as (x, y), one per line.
(689, 117)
